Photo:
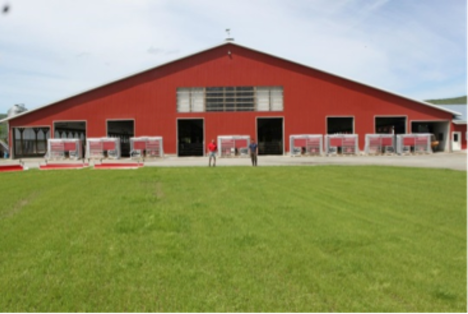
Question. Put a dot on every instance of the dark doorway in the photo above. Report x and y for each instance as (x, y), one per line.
(440, 130)
(70, 129)
(422, 127)
(340, 125)
(30, 142)
(123, 129)
(190, 137)
(390, 125)
(270, 136)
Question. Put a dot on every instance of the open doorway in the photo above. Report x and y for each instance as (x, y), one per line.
(390, 125)
(190, 137)
(30, 142)
(270, 136)
(123, 129)
(71, 129)
(340, 125)
(440, 129)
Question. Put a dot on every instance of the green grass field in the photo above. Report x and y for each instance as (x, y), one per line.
(234, 239)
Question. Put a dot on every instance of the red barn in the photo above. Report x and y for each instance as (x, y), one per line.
(228, 89)
(459, 133)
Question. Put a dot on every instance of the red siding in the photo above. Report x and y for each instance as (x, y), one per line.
(461, 128)
(310, 96)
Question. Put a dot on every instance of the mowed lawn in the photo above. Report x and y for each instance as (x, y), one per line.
(234, 239)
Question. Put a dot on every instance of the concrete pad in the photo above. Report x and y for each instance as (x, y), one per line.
(454, 161)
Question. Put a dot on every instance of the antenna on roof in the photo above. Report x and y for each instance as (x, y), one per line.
(228, 31)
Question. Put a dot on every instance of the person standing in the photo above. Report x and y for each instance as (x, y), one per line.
(253, 147)
(212, 149)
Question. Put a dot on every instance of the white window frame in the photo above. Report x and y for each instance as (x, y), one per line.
(193, 100)
(274, 96)
(270, 93)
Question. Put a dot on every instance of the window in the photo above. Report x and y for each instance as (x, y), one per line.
(239, 98)
(230, 99)
(269, 99)
(190, 99)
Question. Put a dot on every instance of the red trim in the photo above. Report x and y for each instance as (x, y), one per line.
(5, 168)
(63, 166)
(133, 165)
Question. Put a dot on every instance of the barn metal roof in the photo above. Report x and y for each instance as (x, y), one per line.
(455, 113)
(459, 119)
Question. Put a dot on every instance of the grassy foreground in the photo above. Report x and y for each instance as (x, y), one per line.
(234, 239)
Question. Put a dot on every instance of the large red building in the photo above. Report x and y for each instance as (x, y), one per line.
(228, 89)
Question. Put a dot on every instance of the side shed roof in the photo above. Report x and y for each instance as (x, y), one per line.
(461, 109)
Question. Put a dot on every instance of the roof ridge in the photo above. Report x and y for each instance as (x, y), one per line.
(245, 47)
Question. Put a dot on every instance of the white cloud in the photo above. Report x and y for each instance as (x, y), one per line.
(55, 48)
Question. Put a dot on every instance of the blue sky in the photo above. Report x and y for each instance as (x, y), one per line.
(52, 49)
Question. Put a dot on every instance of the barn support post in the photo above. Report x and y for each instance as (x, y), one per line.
(36, 144)
(21, 130)
(45, 131)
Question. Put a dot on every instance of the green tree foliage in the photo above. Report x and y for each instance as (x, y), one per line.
(448, 101)
(3, 127)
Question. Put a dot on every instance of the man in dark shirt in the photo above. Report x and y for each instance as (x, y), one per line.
(253, 147)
